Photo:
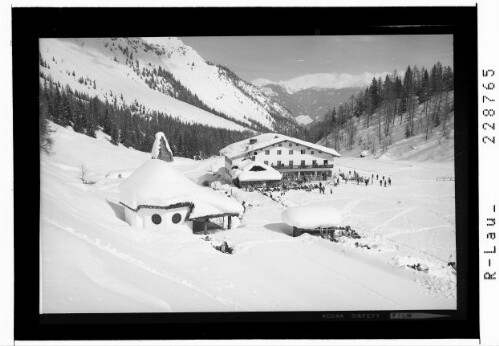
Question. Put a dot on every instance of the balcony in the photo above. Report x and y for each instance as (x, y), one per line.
(287, 167)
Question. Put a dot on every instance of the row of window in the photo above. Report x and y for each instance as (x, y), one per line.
(279, 152)
(156, 218)
(314, 162)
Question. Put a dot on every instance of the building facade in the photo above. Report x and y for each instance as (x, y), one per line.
(293, 158)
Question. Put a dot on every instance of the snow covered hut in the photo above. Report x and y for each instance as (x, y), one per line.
(249, 172)
(314, 217)
(156, 196)
(161, 149)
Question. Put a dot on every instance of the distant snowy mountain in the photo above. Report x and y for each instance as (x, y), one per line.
(316, 102)
(314, 95)
(304, 119)
(284, 97)
(313, 103)
(160, 74)
(323, 81)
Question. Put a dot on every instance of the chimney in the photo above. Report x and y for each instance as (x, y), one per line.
(253, 140)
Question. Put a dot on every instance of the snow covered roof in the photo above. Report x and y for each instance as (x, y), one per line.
(161, 148)
(264, 140)
(249, 170)
(157, 184)
(312, 216)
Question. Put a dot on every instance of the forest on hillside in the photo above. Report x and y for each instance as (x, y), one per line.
(385, 102)
(128, 124)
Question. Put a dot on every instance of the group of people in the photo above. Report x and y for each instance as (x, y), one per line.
(365, 180)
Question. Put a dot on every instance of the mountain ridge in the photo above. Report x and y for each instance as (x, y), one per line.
(161, 74)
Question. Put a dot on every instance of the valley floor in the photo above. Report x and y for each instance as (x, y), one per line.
(93, 261)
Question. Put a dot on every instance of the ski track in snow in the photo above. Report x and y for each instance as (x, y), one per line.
(375, 229)
(350, 206)
(113, 251)
(344, 277)
(416, 230)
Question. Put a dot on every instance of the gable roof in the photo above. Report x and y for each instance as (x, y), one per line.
(244, 172)
(243, 147)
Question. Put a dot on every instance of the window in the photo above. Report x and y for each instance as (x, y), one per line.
(291, 152)
(176, 218)
(291, 163)
(278, 163)
(290, 144)
(156, 219)
(325, 162)
(257, 169)
(312, 152)
(266, 162)
(267, 152)
(302, 151)
(279, 152)
(303, 162)
(314, 162)
(296, 144)
(280, 144)
(320, 152)
(255, 153)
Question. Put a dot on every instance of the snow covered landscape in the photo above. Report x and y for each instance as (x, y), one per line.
(171, 184)
(93, 261)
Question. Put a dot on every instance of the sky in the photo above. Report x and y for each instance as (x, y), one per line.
(285, 57)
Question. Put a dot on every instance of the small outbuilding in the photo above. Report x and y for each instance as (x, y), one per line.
(315, 217)
(157, 196)
(251, 173)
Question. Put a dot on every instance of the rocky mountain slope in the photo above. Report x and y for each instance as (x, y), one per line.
(163, 75)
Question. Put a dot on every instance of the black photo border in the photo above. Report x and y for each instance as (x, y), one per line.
(31, 24)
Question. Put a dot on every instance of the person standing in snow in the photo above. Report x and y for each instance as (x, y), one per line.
(380, 182)
(384, 182)
(389, 181)
(367, 182)
(377, 177)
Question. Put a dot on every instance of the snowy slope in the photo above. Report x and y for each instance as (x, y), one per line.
(93, 261)
(214, 85)
(435, 148)
(125, 69)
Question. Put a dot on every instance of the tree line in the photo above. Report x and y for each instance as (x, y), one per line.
(129, 125)
(387, 100)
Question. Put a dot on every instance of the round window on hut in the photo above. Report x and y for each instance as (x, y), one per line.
(176, 218)
(156, 219)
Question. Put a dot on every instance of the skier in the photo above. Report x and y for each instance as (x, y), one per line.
(389, 181)
(367, 181)
(384, 182)
(377, 177)
(380, 182)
